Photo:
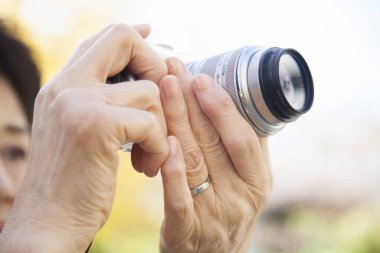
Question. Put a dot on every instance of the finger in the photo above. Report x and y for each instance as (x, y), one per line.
(238, 137)
(142, 94)
(142, 29)
(205, 134)
(115, 49)
(143, 129)
(83, 47)
(175, 111)
(177, 197)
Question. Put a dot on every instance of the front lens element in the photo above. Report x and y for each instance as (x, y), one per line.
(286, 83)
(292, 82)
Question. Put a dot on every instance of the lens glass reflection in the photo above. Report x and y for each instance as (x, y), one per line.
(292, 82)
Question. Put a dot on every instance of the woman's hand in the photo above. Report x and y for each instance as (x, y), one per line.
(215, 144)
(79, 125)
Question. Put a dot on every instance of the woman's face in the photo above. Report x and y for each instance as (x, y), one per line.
(14, 146)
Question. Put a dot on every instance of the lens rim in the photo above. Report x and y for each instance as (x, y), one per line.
(269, 78)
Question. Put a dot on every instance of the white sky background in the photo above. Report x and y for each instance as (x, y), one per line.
(339, 139)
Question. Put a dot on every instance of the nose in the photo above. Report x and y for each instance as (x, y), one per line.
(7, 192)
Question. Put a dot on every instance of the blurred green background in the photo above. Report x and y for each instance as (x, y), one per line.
(326, 166)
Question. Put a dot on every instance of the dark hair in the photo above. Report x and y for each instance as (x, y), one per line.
(18, 66)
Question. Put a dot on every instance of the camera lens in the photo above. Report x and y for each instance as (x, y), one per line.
(269, 86)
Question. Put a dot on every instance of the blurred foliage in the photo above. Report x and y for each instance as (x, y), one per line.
(356, 230)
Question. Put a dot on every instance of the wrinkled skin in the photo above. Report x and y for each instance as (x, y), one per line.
(79, 125)
(216, 143)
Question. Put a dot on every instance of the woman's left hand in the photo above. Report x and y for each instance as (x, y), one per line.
(79, 126)
(215, 144)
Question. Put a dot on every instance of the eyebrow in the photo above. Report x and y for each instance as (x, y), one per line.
(15, 129)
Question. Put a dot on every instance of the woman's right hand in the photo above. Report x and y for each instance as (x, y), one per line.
(216, 147)
(79, 125)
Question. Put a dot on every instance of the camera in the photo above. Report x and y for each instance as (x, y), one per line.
(269, 86)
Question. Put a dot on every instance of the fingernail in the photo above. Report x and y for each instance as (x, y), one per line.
(170, 86)
(177, 66)
(172, 145)
(202, 83)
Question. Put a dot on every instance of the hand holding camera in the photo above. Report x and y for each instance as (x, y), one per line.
(269, 86)
(218, 180)
(215, 170)
(79, 125)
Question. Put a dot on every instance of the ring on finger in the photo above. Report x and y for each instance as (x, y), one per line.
(201, 188)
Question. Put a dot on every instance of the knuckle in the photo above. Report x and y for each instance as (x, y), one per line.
(63, 97)
(243, 142)
(86, 123)
(193, 158)
(207, 137)
(196, 170)
(151, 95)
(70, 120)
(161, 71)
(260, 195)
(50, 91)
(79, 119)
(47, 92)
(177, 115)
(242, 213)
(151, 122)
(152, 88)
(180, 209)
(177, 170)
(219, 103)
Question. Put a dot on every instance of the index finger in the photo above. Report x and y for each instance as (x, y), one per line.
(118, 47)
(238, 137)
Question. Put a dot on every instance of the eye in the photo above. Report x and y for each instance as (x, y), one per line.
(14, 154)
